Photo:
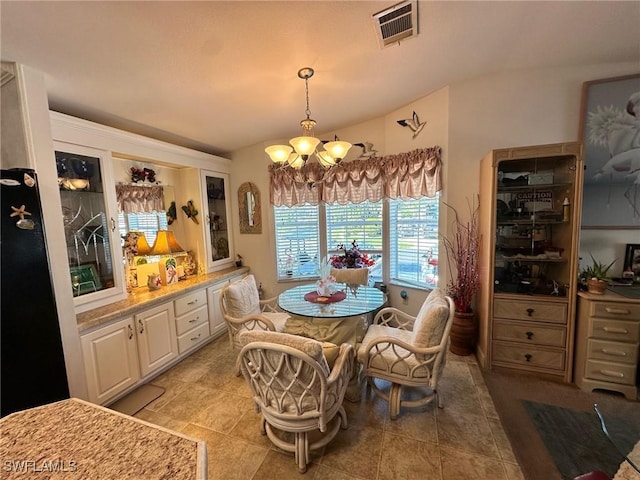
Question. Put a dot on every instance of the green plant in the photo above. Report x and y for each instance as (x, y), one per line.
(596, 270)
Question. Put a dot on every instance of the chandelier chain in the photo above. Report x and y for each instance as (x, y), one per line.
(306, 87)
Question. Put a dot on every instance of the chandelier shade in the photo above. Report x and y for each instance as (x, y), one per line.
(306, 145)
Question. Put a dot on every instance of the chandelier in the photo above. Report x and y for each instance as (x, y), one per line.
(304, 146)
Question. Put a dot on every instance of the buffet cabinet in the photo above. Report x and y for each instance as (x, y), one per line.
(528, 197)
(607, 342)
(122, 354)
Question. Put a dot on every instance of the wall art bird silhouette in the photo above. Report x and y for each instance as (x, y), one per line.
(367, 149)
(171, 213)
(413, 123)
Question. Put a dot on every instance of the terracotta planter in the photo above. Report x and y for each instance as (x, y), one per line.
(463, 334)
(597, 286)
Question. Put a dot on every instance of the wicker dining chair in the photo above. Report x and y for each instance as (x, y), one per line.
(408, 351)
(242, 310)
(294, 389)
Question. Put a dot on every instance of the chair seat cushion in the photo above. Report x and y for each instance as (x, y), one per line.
(242, 297)
(279, 319)
(392, 361)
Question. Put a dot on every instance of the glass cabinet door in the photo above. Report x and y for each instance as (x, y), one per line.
(215, 186)
(93, 250)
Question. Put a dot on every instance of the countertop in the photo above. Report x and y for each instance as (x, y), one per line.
(609, 296)
(77, 439)
(142, 298)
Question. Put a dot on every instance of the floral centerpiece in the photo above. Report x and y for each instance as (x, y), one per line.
(352, 258)
(326, 282)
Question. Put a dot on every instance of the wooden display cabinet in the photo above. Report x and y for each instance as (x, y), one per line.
(529, 217)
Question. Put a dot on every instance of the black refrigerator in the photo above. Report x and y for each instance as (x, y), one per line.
(32, 364)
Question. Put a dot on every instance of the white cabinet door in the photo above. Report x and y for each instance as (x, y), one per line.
(156, 332)
(217, 220)
(111, 360)
(216, 322)
(89, 212)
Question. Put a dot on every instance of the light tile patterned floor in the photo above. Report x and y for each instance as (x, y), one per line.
(204, 399)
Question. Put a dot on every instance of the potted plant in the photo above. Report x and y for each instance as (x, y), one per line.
(595, 276)
(463, 249)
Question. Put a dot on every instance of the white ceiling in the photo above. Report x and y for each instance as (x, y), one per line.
(220, 75)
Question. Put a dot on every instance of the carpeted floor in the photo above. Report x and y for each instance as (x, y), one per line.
(510, 391)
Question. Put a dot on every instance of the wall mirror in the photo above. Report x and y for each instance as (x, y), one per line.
(249, 208)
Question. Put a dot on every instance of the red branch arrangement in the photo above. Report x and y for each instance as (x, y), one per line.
(463, 249)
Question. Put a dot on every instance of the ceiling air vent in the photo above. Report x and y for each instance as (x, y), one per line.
(397, 23)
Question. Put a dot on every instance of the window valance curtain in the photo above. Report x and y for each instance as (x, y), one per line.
(406, 175)
(138, 198)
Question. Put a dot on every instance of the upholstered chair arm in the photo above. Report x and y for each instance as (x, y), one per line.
(269, 305)
(392, 317)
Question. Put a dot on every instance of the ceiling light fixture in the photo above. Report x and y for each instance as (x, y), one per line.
(305, 145)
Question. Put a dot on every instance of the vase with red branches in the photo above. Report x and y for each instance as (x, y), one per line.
(463, 249)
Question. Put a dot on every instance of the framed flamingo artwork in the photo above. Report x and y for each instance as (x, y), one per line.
(610, 133)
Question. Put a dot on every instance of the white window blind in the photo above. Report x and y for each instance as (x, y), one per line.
(413, 234)
(297, 241)
(147, 222)
(361, 222)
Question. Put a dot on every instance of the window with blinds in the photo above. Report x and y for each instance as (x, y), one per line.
(147, 222)
(413, 245)
(360, 222)
(413, 238)
(297, 241)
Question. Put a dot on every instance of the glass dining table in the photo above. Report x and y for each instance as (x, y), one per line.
(347, 301)
(332, 320)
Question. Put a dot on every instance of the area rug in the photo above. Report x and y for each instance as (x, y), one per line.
(510, 390)
(137, 400)
(576, 442)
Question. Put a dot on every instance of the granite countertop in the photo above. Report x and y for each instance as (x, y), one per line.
(142, 298)
(77, 439)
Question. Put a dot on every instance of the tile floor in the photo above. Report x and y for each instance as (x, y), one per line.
(204, 399)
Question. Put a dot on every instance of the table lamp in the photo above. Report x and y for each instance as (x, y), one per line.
(165, 245)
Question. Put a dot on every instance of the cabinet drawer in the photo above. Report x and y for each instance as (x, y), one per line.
(191, 319)
(611, 372)
(193, 337)
(612, 351)
(531, 310)
(190, 302)
(623, 311)
(618, 330)
(528, 356)
(529, 333)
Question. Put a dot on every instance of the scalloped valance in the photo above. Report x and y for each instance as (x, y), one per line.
(406, 175)
(139, 198)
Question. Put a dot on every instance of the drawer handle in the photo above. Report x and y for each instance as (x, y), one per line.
(530, 311)
(618, 311)
(529, 335)
(528, 357)
(130, 332)
(193, 339)
(141, 326)
(615, 353)
(623, 331)
(194, 319)
(192, 302)
(611, 373)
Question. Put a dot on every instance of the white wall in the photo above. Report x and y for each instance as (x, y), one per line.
(467, 119)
